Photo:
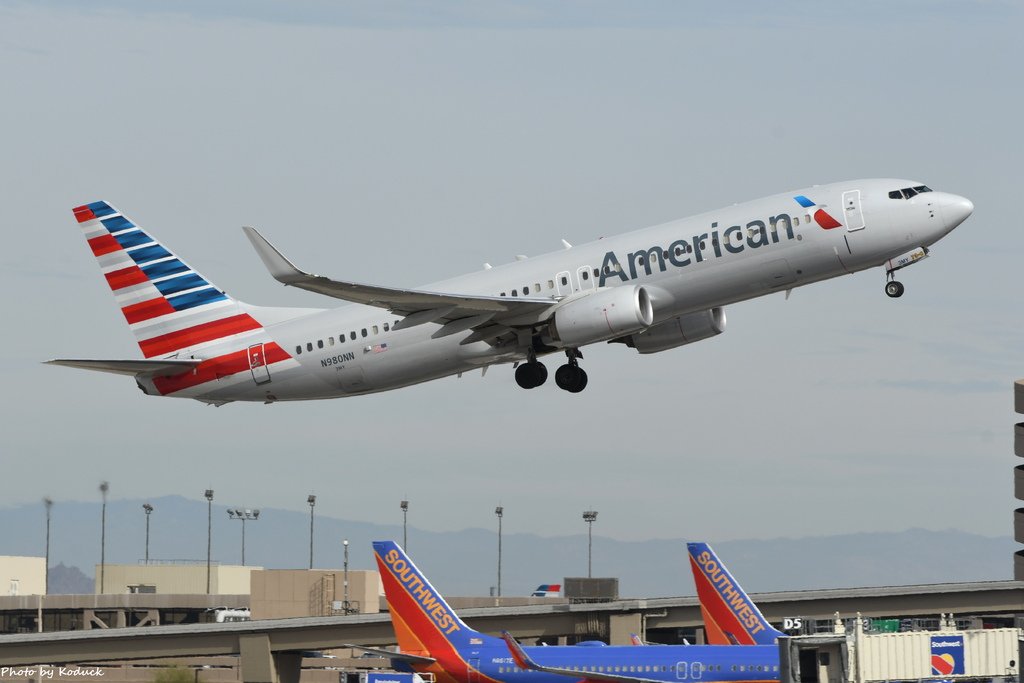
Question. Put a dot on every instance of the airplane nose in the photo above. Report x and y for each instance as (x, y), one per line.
(956, 209)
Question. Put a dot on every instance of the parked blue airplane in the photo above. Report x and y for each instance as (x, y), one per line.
(433, 639)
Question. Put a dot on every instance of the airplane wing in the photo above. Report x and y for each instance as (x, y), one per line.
(523, 661)
(137, 368)
(418, 306)
(388, 654)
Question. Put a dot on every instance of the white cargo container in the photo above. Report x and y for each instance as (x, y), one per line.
(946, 655)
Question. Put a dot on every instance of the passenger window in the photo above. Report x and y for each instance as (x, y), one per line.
(330, 341)
(503, 294)
(341, 338)
(526, 290)
(640, 260)
(385, 327)
(551, 284)
(352, 335)
(807, 218)
(597, 272)
(515, 293)
(586, 275)
(375, 329)
(319, 343)
(309, 346)
(679, 251)
(536, 286)
(364, 332)
(796, 221)
(565, 280)
(298, 349)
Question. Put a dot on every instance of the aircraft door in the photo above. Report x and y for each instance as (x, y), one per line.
(852, 210)
(563, 282)
(682, 670)
(258, 364)
(585, 278)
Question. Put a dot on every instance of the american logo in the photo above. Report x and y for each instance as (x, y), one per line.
(821, 216)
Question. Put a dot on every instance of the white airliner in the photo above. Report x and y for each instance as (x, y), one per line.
(652, 290)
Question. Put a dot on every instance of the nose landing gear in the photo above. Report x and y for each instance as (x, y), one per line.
(893, 288)
(571, 376)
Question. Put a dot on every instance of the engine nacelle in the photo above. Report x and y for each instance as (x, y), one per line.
(685, 329)
(603, 315)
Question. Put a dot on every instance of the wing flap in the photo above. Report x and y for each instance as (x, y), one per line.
(446, 306)
(136, 368)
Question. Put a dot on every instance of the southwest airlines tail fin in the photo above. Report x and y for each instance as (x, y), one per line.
(168, 306)
(730, 617)
(424, 623)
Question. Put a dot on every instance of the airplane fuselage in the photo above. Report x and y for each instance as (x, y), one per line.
(669, 663)
(684, 267)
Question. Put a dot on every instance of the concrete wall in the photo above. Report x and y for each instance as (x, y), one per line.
(283, 593)
(22, 575)
(175, 578)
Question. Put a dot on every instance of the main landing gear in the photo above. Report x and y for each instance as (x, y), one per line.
(570, 376)
(531, 374)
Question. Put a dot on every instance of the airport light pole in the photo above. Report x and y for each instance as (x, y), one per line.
(104, 487)
(589, 516)
(209, 534)
(405, 519)
(46, 578)
(245, 515)
(149, 510)
(499, 511)
(312, 501)
(345, 577)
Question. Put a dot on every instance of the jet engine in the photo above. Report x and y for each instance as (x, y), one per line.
(603, 315)
(678, 331)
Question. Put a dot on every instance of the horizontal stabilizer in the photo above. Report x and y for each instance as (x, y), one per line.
(388, 654)
(137, 368)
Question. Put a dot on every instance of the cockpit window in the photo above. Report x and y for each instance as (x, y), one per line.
(908, 192)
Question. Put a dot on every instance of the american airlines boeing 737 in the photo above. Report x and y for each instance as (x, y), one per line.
(652, 290)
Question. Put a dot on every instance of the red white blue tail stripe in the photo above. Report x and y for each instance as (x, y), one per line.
(171, 309)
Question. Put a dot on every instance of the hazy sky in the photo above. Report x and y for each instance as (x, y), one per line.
(398, 144)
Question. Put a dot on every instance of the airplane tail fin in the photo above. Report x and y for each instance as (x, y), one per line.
(168, 306)
(424, 623)
(730, 616)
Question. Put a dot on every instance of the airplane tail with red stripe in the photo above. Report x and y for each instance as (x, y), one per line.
(169, 307)
(424, 623)
(191, 333)
(730, 616)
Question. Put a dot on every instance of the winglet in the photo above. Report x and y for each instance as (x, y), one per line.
(634, 639)
(280, 268)
(519, 655)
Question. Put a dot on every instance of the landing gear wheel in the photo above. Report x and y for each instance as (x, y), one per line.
(531, 375)
(894, 289)
(571, 378)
